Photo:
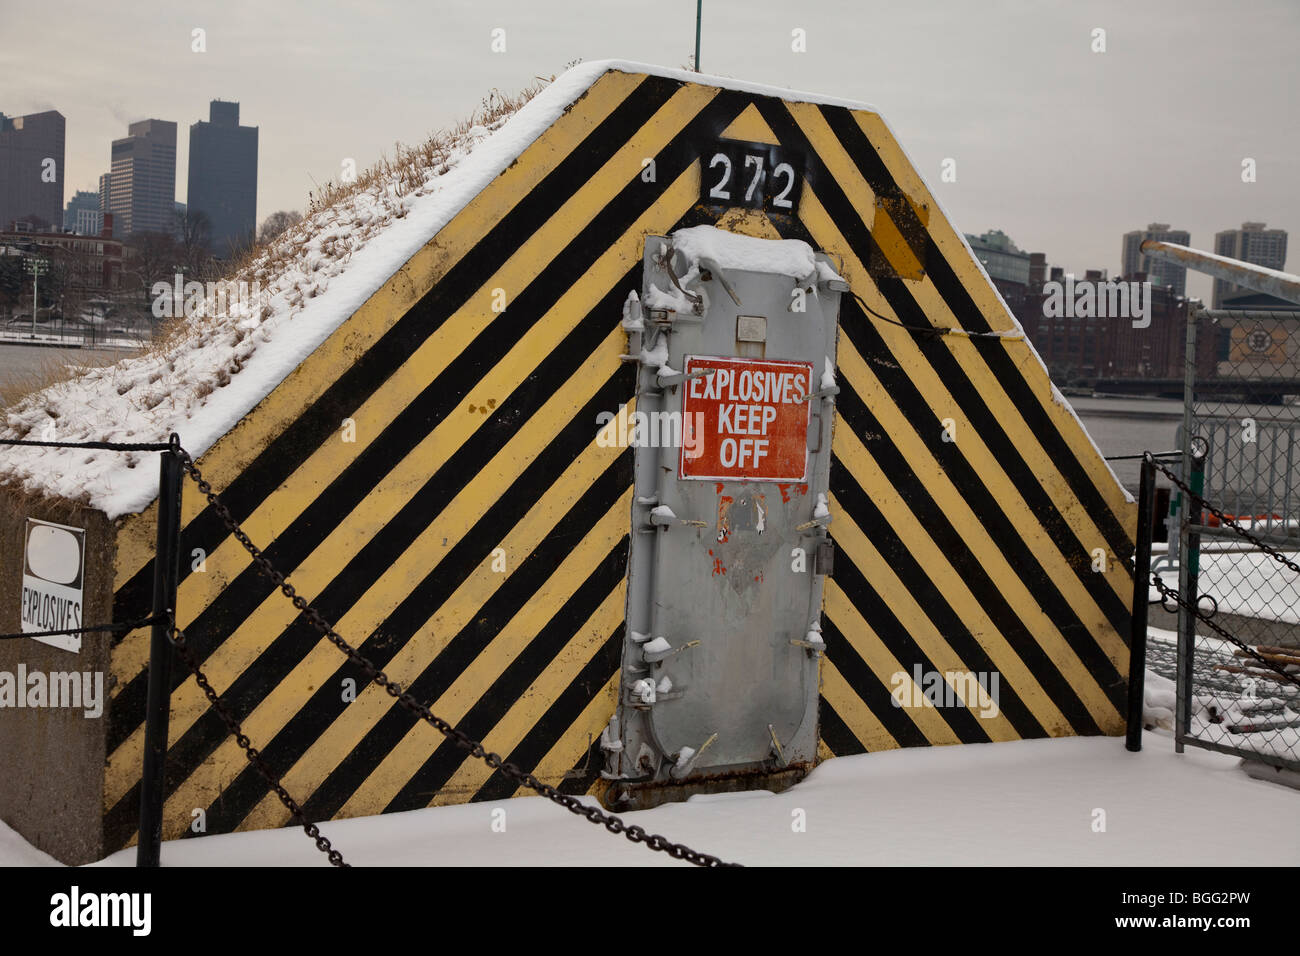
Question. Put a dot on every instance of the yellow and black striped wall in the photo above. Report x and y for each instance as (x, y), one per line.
(472, 538)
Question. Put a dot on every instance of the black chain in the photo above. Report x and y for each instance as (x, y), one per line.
(97, 445)
(1227, 520)
(252, 753)
(593, 813)
(1168, 594)
(125, 626)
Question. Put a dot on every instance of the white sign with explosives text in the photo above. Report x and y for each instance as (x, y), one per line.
(54, 577)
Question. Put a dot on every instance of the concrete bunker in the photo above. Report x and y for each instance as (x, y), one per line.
(436, 473)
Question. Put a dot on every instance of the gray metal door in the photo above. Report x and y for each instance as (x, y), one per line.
(729, 547)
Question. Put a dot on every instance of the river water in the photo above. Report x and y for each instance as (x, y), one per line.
(1130, 426)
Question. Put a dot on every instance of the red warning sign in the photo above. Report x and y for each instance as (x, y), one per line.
(747, 421)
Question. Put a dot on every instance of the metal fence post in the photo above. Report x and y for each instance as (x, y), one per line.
(1137, 652)
(1188, 580)
(1183, 676)
(166, 578)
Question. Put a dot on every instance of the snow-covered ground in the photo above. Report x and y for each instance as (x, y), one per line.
(1249, 583)
(1029, 802)
(1232, 709)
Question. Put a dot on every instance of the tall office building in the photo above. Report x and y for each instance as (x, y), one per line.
(142, 183)
(31, 169)
(105, 193)
(82, 214)
(1158, 271)
(223, 177)
(1251, 243)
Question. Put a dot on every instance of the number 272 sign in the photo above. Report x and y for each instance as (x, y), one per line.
(753, 175)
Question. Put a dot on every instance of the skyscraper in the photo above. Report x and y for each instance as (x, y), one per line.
(1251, 243)
(105, 193)
(1158, 271)
(142, 183)
(31, 169)
(223, 177)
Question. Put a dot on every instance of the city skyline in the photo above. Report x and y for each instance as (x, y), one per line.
(1063, 164)
(224, 118)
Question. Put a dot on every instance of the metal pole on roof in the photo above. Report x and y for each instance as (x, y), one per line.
(1254, 277)
(699, 13)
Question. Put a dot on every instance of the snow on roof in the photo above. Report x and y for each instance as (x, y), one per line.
(729, 250)
(204, 384)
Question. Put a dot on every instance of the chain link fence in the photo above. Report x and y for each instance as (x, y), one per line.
(1235, 548)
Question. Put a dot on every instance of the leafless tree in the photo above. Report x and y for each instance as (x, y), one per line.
(151, 257)
(193, 240)
(277, 223)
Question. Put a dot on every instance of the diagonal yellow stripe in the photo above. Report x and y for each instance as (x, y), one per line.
(346, 733)
(850, 450)
(234, 451)
(516, 723)
(919, 627)
(434, 355)
(241, 649)
(577, 739)
(877, 656)
(857, 716)
(953, 247)
(418, 745)
(1008, 415)
(977, 537)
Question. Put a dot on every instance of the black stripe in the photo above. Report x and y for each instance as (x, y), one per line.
(552, 725)
(1020, 556)
(875, 609)
(835, 733)
(444, 396)
(238, 600)
(526, 667)
(241, 597)
(969, 315)
(896, 638)
(873, 691)
(319, 423)
(279, 658)
(964, 562)
(950, 371)
(259, 679)
(470, 641)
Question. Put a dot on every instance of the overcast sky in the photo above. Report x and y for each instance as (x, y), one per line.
(1062, 148)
